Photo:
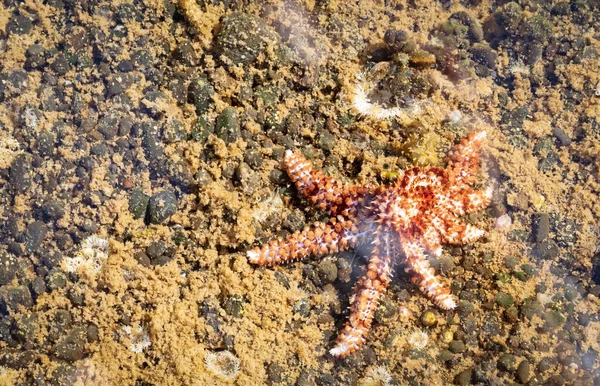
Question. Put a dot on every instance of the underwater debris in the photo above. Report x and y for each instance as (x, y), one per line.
(92, 255)
(223, 364)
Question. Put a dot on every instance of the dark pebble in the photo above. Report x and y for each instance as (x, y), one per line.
(541, 227)
(56, 279)
(19, 175)
(142, 259)
(563, 138)
(161, 206)
(234, 306)
(60, 65)
(464, 377)
(547, 249)
(327, 271)
(156, 249)
(227, 126)
(507, 362)
(70, 347)
(17, 359)
(19, 25)
(53, 209)
(14, 296)
(523, 371)
(274, 372)
(64, 375)
(36, 232)
(242, 38)
(457, 346)
(536, 28)
(45, 144)
(138, 203)
(8, 268)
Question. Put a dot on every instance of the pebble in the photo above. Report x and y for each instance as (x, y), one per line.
(523, 371)
(227, 126)
(457, 346)
(8, 268)
(35, 234)
(161, 206)
(70, 347)
(547, 249)
(13, 296)
(504, 300)
(327, 271)
(138, 204)
(53, 209)
(19, 175)
(19, 25)
(242, 38)
(234, 305)
(507, 362)
(428, 318)
(200, 93)
(464, 377)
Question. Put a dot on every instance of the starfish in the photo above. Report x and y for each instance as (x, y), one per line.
(402, 222)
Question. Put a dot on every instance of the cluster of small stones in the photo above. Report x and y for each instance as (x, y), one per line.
(86, 79)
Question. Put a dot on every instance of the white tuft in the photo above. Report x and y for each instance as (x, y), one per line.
(418, 339)
(92, 255)
(447, 304)
(140, 339)
(338, 350)
(222, 364)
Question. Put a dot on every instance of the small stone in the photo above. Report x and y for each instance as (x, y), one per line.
(536, 28)
(234, 306)
(19, 174)
(36, 232)
(507, 362)
(45, 144)
(70, 347)
(274, 372)
(465, 308)
(457, 346)
(138, 203)
(53, 210)
(242, 38)
(14, 296)
(142, 258)
(156, 249)
(562, 137)
(227, 126)
(428, 318)
(504, 300)
(553, 319)
(327, 271)
(8, 268)
(19, 25)
(523, 371)
(547, 249)
(56, 279)
(200, 93)
(541, 226)
(464, 377)
(161, 206)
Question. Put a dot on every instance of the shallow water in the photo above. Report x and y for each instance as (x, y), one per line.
(141, 157)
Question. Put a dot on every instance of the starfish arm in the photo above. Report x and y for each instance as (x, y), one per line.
(454, 231)
(424, 276)
(319, 240)
(327, 193)
(369, 290)
(464, 158)
(476, 200)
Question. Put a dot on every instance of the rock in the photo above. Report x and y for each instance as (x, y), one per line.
(138, 204)
(541, 227)
(19, 174)
(19, 25)
(327, 271)
(200, 93)
(457, 346)
(161, 206)
(523, 371)
(234, 305)
(536, 28)
(8, 268)
(227, 126)
(242, 38)
(504, 300)
(12, 297)
(45, 144)
(547, 249)
(25, 329)
(53, 209)
(70, 347)
(36, 232)
(464, 377)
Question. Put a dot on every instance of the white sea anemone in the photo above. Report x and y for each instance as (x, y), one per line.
(365, 106)
(418, 339)
(140, 339)
(223, 364)
(376, 376)
(92, 255)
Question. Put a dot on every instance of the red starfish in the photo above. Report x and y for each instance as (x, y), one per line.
(409, 218)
